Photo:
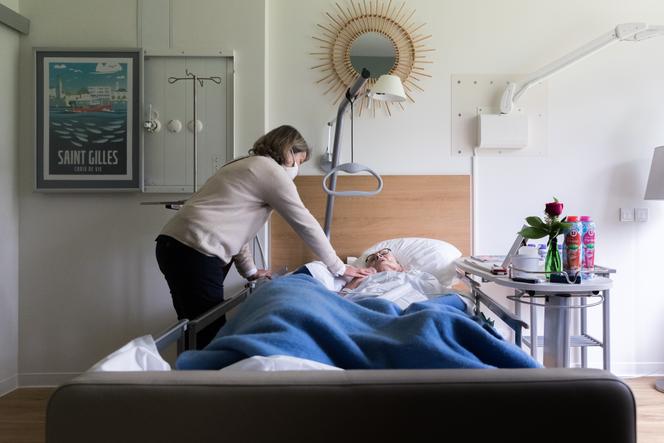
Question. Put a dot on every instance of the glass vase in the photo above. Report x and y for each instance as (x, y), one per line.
(553, 262)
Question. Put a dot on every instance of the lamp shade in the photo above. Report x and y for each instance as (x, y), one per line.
(655, 188)
(388, 88)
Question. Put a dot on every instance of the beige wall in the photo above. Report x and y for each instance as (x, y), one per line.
(89, 279)
(9, 215)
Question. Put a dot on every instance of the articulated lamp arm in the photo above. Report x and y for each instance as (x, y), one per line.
(623, 32)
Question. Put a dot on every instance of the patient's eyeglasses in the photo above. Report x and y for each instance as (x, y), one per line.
(373, 257)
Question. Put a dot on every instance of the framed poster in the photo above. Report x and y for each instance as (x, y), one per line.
(87, 119)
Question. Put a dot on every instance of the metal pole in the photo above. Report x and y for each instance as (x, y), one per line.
(351, 94)
(195, 136)
(606, 332)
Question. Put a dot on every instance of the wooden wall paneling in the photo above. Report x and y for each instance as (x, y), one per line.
(431, 206)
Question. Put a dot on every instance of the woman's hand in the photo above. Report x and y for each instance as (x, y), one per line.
(261, 273)
(354, 283)
(352, 271)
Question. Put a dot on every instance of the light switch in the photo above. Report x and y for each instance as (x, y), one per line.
(626, 214)
(641, 214)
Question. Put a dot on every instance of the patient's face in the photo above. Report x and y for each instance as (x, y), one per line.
(383, 261)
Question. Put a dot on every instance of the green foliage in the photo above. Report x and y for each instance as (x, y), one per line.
(533, 233)
(535, 222)
(538, 228)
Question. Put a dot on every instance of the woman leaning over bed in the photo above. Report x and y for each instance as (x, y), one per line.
(214, 227)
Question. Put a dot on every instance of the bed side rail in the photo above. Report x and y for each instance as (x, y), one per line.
(512, 320)
(176, 332)
(199, 323)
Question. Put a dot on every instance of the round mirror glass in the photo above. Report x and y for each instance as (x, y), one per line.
(374, 51)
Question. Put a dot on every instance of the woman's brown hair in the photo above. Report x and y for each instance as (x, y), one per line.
(278, 142)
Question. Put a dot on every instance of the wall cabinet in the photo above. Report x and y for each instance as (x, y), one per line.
(168, 151)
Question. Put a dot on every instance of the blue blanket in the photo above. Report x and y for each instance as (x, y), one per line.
(298, 316)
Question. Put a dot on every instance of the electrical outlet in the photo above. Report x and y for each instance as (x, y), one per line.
(626, 214)
(641, 214)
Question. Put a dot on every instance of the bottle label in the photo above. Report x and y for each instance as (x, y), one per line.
(589, 246)
(572, 249)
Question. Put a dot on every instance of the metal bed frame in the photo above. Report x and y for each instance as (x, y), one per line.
(513, 320)
(184, 332)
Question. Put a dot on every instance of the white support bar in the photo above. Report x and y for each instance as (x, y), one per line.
(623, 32)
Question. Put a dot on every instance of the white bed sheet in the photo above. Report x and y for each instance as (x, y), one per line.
(140, 354)
(401, 288)
(278, 363)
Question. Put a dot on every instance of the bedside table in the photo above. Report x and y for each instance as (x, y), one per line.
(557, 301)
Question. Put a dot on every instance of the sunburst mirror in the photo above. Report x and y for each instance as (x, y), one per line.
(377, 35)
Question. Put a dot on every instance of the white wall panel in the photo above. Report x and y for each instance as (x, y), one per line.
(169, 156)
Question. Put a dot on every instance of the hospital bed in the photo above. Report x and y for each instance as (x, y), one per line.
(521, 405)
(518, 405)
(353, 405)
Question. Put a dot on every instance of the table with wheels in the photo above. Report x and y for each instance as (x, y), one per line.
(558, 300)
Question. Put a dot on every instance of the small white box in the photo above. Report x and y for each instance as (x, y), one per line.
(641, 214)
(503, 131)
(626, 214)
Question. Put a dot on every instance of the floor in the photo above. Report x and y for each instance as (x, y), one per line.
(649, 409)
(22, 414)
(23, 411)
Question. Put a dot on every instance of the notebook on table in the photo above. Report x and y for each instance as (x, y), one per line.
(498, 264)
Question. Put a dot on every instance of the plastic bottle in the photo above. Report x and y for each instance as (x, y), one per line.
(572, 247)
(541, 250)
(588, 236)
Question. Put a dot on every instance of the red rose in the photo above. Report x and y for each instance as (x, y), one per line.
(553, 209)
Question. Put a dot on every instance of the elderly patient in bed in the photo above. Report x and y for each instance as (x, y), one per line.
(391, 281)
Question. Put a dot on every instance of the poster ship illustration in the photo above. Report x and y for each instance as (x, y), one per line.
(88, 118)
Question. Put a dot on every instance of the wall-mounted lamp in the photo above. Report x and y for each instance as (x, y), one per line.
(633, 32)
(509, 130)
(388, 88)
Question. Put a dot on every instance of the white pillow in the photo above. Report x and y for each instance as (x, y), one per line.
(425, 254)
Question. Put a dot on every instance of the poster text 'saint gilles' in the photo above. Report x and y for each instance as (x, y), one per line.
(84, 157)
